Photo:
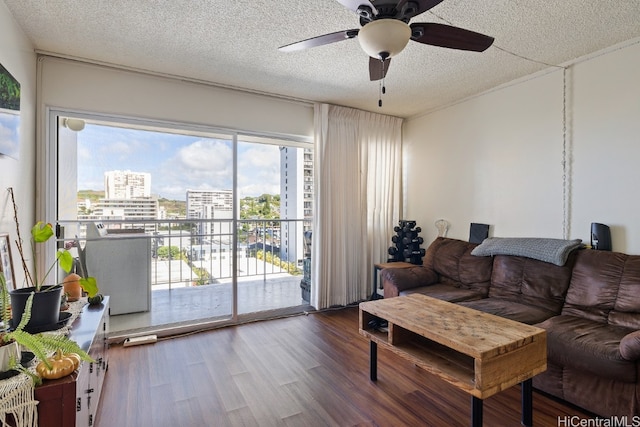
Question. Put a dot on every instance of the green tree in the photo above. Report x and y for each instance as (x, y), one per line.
(266, 206)
(164, 252)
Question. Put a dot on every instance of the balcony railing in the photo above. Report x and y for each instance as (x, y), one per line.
(185, 253)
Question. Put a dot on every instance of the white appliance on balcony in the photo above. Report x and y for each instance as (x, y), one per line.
(120, 260)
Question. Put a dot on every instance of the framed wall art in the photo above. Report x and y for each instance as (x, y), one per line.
(9, 114)
(6, 262)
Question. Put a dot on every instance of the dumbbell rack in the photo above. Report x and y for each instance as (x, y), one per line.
(407, 243)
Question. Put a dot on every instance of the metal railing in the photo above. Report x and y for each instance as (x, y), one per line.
(192, 252)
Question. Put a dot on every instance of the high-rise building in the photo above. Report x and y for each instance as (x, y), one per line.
(124, 210)
(296, 200)
(207, 205)
(307, 190)
(127, 198)
(127, 185)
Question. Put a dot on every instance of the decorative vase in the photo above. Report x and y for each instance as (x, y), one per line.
(72, 288)
(8, 351)
(45, 311)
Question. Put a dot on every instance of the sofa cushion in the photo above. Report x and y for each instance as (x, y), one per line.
(594, 284)
(630, 346)
(451, 259)
(588, 345)
(600, 395)
(626, 310)
(511, 310)
(532, 282)
(446, 292)
(396, 280)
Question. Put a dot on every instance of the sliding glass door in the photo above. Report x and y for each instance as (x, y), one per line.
(182, 225)
(272, 222)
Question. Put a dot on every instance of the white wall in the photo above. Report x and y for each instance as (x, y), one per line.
(606, 153)
(497, 158)
(18, 57)
(93, 88)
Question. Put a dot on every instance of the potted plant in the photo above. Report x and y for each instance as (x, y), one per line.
(46, 301)
(39, 344)
(78, 280)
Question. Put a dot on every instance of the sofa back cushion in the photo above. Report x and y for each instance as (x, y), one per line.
(529, 281)
(626, 310)
(594, 285)
(451, 259)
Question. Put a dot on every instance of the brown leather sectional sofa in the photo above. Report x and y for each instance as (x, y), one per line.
(590, 308)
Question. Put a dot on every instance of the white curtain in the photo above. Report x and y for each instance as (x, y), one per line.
(357, 164)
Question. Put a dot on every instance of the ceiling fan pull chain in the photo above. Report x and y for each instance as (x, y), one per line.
(383, 88)
(380, 94)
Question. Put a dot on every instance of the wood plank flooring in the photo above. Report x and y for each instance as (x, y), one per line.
(308, 370)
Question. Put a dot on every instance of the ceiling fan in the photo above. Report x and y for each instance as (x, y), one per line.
(386, 31)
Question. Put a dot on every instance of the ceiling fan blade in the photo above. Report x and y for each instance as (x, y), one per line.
(320, 40)
(378, 69)
(421, 6)
(447, 36)
(355, 4)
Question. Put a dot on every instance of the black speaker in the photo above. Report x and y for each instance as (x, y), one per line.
(478, 232)
(600, 237)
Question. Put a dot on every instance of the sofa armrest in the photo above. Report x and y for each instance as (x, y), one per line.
(396, 280)
(630, 346)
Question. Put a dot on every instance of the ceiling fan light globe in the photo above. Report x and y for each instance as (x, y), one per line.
(384, 38)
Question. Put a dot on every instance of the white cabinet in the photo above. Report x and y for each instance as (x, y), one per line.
(72, 401)
(91, 375)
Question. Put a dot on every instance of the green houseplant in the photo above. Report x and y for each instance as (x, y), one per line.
(46, 299)
(39, 344)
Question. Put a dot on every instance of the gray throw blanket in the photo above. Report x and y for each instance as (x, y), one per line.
(554, 251)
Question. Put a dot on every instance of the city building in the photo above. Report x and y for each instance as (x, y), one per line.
(207, 205)
(127, 185)
(127, 198)
(296, 200)
(127, 209)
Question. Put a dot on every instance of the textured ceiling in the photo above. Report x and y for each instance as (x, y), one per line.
(234, 43)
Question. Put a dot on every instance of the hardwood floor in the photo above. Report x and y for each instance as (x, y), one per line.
(308, 370)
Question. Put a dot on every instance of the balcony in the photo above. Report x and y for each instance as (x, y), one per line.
(168, 275)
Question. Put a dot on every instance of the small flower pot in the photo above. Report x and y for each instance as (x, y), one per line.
(72, 288)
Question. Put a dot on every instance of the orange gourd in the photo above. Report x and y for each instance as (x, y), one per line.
(76, 359)
(61, 366)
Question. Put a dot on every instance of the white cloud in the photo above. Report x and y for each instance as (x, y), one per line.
(258, 188)
(178, 163)
(258, 170)
(206, 155)
(205, 164)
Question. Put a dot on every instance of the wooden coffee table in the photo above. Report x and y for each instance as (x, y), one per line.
(477, 352)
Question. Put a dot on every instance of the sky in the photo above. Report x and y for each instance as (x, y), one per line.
(176, 162)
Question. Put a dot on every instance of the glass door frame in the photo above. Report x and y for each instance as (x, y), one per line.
(47, 169)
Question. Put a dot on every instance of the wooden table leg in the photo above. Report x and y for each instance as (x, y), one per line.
(476, 412)
(374, 294)
(527, 402)
(373, 361)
